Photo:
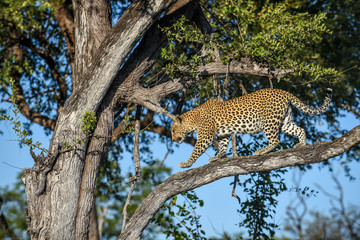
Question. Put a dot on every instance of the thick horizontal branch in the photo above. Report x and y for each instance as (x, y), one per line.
(151, 97)
(245, 67)
(194, 178)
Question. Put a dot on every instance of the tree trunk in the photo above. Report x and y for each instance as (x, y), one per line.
(53, 186)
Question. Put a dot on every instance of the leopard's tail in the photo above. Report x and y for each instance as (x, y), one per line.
(312, 111)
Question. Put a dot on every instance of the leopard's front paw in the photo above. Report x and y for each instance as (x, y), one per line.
(185, 164)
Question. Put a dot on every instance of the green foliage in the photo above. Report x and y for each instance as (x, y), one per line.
(32, 49)
(271, 33)
(181, 221)
(89, 122)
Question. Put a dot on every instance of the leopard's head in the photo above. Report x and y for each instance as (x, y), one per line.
(179, 130)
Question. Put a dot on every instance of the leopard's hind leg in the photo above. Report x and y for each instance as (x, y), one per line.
(271, 129)
(291, 129)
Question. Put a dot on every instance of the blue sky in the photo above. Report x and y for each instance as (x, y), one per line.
(219, 213)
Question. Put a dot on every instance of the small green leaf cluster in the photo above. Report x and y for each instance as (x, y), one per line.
(187, 224)
(89, 122)
(22, 134)
(127, 128)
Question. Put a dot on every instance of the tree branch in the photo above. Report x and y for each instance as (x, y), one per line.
(150, 97)
(245, 67)
(92, 23)
(194, 178)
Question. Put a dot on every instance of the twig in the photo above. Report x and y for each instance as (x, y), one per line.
(12, 165)
(238, 26)
(126, 205)
(292, 211)
(347, 221)
(137, 166)
(226, 82)
(136, 144)
(102, 214)
(271, 84)
(162, 161)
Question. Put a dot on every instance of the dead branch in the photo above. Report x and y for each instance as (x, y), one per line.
(151, 97)
(244, 67)
(102, 214)
(194, 178)
(137, 176)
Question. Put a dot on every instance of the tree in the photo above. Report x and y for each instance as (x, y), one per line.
(93, 74)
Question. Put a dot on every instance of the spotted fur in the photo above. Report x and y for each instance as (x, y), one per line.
(267, 110)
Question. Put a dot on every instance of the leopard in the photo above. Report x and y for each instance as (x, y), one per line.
(267, 110)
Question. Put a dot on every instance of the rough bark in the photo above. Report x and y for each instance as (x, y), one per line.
(246, 67)
(194, 178)
(92, 23)
(60, 188)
